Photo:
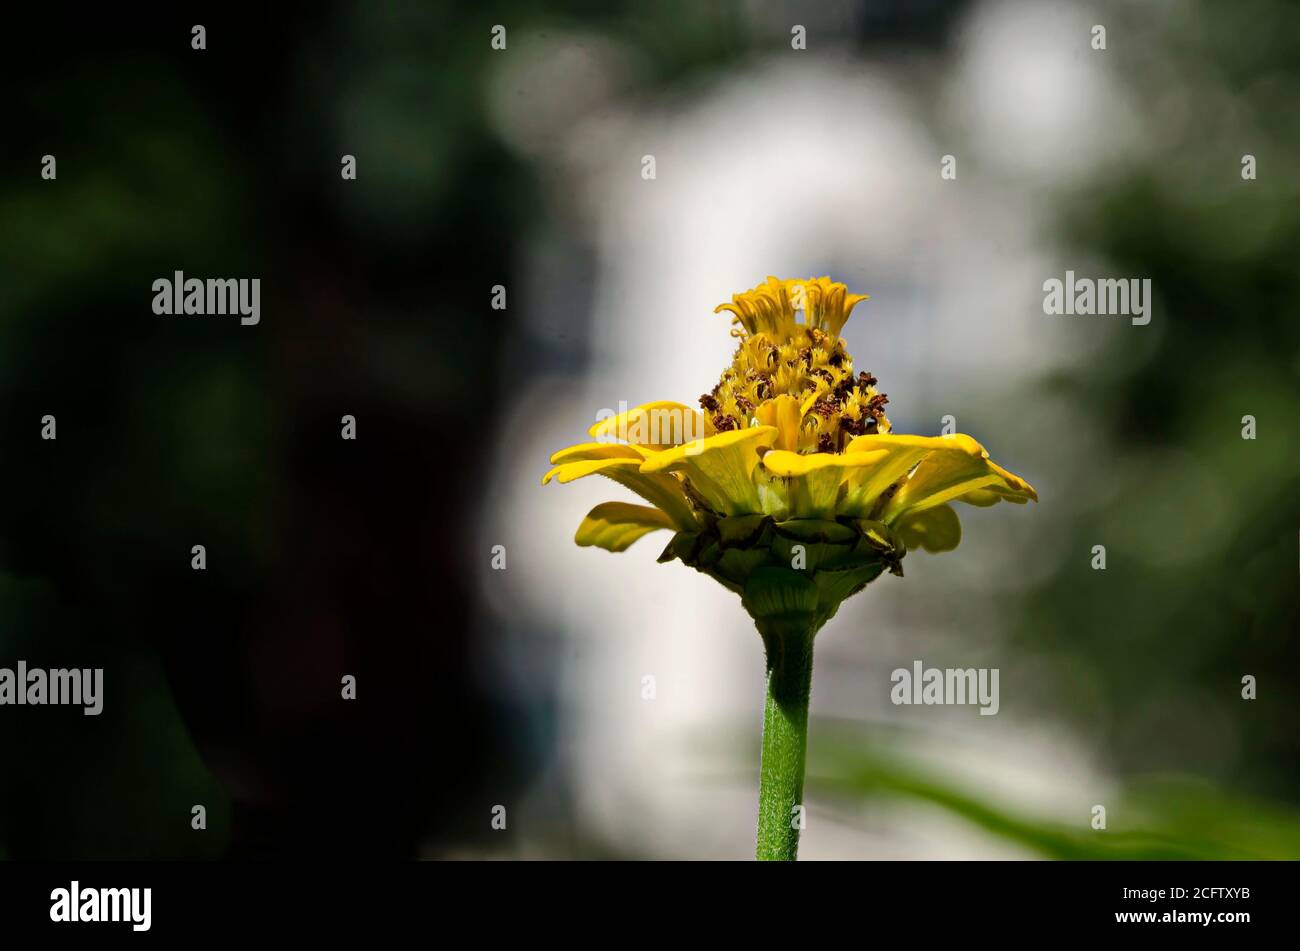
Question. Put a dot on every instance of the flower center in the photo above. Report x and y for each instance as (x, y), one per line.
(781, 356)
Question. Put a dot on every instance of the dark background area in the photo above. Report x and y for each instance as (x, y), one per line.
(325, 557)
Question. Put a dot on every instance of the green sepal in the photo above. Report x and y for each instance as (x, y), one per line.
(742, 531)
(836, 586)
(808, 530)
(683, 545)
(773, 592)
(709, 553)
(883, 541)
(737, 564)
(753, 556)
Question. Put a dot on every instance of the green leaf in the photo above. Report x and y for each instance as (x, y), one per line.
(1152, 818)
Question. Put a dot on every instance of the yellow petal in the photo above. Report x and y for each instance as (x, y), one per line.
(811, 399)
(947, 474)
(1014, 490)
(784, 463)
(581, 468)
(658, 425)
(598, 450)
(614, 526)
(935, 529)
(904, 452)
(828, 304)
(785, 414)
(1013, 487)
(663, 490)
(816, 478)
(720, 467)
(980, 497)
(896, 440)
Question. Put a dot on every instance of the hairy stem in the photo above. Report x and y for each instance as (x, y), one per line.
(785, 738)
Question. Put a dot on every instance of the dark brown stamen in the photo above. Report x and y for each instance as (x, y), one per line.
(854, 427)
(825, 408)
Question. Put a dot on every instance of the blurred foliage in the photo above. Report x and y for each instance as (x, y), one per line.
(222, 687)
(1201, 586)
(1152, 817)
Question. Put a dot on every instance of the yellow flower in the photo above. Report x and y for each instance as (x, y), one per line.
(790, 433)
(790, 488)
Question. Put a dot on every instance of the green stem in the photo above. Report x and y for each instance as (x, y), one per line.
(785, 736)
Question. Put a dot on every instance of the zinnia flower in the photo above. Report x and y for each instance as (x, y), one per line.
(789, 487)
